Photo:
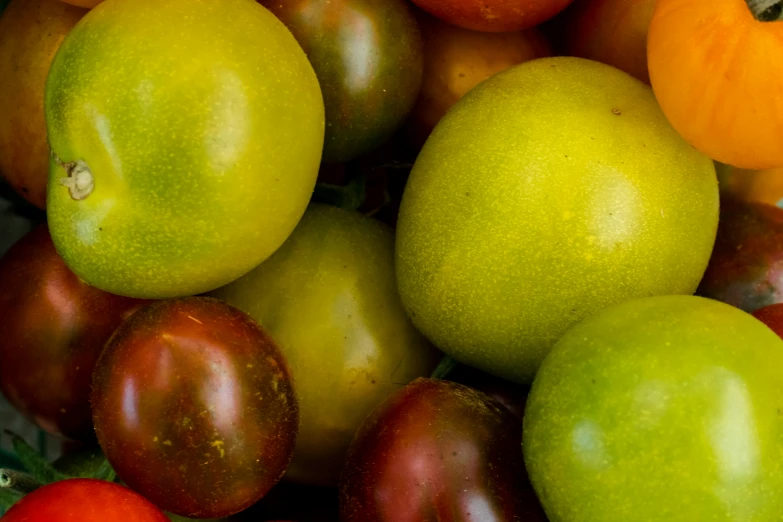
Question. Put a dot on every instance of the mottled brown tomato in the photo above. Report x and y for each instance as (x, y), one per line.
(437, 450)
(194, 407)
(52, 330)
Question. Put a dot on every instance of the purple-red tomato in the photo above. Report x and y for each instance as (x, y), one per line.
(194, 407)
(437, 450)
(52, 330)
(746, 267)
(772, 316)
(84, 500)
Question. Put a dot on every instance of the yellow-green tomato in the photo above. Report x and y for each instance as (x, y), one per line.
(550, 191)
(329, 299)
(186, 137)
(659, 409)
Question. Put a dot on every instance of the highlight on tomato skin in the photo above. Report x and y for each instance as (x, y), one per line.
(704, 59)
(194, 407)
(84, 500)
(437, 450)
(53, 327)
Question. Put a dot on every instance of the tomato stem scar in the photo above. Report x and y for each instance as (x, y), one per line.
(79, 180)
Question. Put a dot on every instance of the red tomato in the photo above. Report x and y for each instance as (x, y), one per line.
(52, 329)
(772, 316)
(84, 500)
(194, 407)
(494, 15)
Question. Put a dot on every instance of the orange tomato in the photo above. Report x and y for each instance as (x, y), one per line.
(609, 31)
(717, 72)
(457, 59)
(760, 186)
(83, 3)
(30, 33)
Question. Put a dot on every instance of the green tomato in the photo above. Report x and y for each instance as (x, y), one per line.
(329, 299)
(190, 133)
(660, 409)
(550, 191)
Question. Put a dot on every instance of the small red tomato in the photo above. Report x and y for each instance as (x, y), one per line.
(438, 450)
(194, 407)
(746, 266)
(772, 316)
(84, 500)
(494, 15)
(52, 329)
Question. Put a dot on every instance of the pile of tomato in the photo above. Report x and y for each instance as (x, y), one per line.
(394, 260)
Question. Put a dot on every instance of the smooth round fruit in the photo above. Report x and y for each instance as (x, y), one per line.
(194, 407)
(550, 191)
(458, 59)
(52, 330)
(84, 500)
(30, 34)
(367, 55)
(705, 59)
(328, 298)
(494, 15)
(437, 450)
(746, 266)
(609, 31)
(662, 409)
(83, 3)
(194, 159)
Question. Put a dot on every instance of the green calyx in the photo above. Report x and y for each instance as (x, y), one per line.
(766, 10)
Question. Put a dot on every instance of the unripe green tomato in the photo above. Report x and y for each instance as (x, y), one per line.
(190, 132)
(329, 299)
(548, 192)
(659, 409)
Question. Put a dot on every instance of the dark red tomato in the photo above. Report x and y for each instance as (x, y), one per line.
(512, 395)
(368, 57)
(84, 500)
(494, 15)
(772, 316)
(746, 267)
(437, 450)
(52, 330)
(194, 407)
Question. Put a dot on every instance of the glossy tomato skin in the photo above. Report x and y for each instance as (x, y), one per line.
(367, 55)
(203, 152)
(662, 409)
(704, 58)
(194, 407)
(457, 59)
(52, 330)
(30, 33)
(437, 450)
(772, 316)
(609, 31)
(84, 500)
(356, 347)
(494, 15)
(746, 267)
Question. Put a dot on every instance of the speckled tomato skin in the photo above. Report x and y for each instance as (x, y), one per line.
(30, 34)
(494, 15)
(437, 450)
(746, 267)
(52, 330)
(202, 123)
(356, 347)
(550, 191)
(662, 409)
(194, 407)
(368, 57)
